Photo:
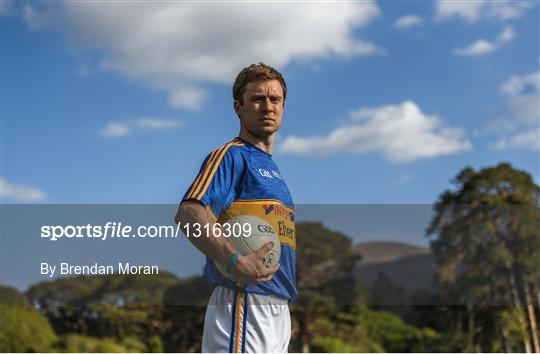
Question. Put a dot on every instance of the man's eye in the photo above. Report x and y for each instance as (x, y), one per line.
(276, 100)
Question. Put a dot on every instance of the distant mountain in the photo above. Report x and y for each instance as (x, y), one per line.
(408, 266)
(386, 251)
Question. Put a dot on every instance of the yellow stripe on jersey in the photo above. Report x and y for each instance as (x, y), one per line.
(207, 181)
(199, 177)
(216, 156)
(206, 172)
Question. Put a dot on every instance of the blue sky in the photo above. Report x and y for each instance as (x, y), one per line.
(388, 101)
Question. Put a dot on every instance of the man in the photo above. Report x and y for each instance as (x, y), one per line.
(249, 313)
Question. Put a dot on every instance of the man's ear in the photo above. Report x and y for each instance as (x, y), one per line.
(236, 106)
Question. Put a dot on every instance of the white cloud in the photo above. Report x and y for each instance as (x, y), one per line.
(157, 123)
(180, 46)
(401, 132)
(47, 18)
(506, 35)
(473, 11)
(522, 112)
(115, 130)
(405, 178)
(482, 46)
(479, 47)
(527, 140)
(523, 93)
(19, 192)
(468, 10)
(408, 21)
(6, 7)
(509, 9)
(519, 83)
(187, 97)
(525, 107)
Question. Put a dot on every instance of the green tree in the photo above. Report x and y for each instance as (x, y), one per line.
(325, 279)
(22, 328)
(396, 336)
(183, 315)
(486, 239)
(115, 306)
(11, 296)
(387, 296)
(76, 343)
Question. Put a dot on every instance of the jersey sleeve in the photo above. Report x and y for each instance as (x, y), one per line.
(219, 180)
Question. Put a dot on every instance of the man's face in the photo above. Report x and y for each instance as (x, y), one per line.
(263, 107)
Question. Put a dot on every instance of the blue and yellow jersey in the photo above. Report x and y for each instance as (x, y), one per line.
(241, 179)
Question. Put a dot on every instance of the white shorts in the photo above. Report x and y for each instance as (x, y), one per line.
(240, 322)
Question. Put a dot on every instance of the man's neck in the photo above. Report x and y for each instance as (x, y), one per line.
(264, 144)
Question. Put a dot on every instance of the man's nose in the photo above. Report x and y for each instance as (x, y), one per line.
(267, 105)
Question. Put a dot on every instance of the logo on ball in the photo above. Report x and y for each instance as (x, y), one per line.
(262, 233)
(266, 229)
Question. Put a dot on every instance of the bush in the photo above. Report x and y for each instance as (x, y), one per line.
(75, 343)
(156, 345)
(23, 329)
(335, 345)
(397, 336)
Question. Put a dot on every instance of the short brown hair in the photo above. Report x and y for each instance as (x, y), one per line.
(256, 72)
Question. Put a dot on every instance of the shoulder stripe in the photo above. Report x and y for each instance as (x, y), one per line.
(205, 176)
(199, 177)
(207, 170)
(198, 194)
(238, 141)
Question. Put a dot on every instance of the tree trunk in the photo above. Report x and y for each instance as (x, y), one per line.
(506, 342)
(302, 335)
(470, 326)
(514, 289)
(305, 347)
(528, 348)
(517, 303)
(532, 318)
(537, 298)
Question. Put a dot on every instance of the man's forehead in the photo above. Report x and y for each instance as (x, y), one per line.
(264, 87)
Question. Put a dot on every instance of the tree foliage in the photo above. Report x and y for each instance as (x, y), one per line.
(11, 296)
(76, 343)
(24, 329)
(486, 238)
(325, 278)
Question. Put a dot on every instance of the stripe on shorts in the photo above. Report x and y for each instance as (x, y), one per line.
(233, 318)
(244, 324)
(237, 342)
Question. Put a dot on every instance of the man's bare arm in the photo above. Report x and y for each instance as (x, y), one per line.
(248, 269)
(217, 248)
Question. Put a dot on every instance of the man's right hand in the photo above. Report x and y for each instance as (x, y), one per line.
(249, 269)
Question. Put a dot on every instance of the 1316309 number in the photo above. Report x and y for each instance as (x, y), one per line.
(217, 230)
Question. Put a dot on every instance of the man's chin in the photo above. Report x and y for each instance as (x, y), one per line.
(268, 131)
(264, 133)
